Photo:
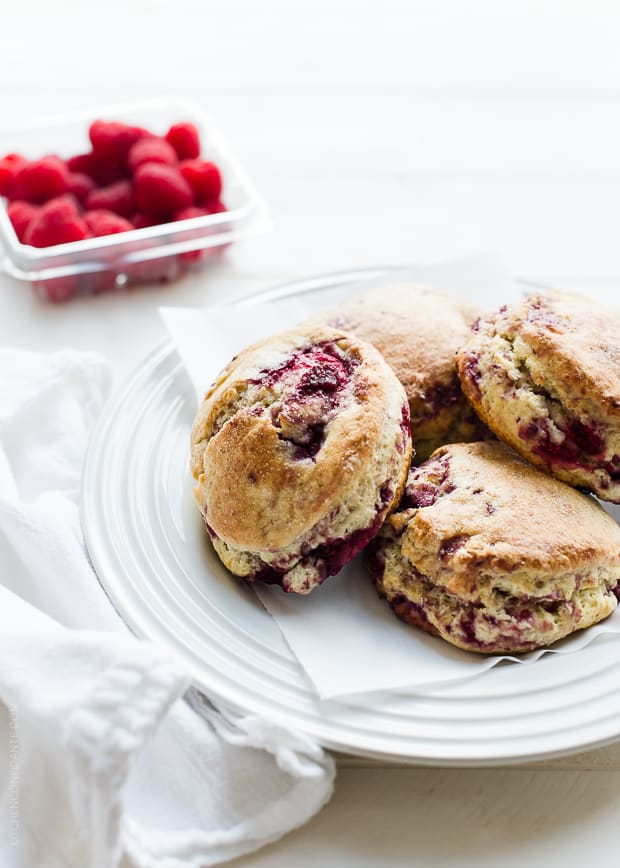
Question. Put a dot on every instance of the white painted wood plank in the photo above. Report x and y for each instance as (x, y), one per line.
(487, 819)
(447, 43)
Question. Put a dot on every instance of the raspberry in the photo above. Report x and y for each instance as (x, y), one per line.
(40, 180)
(21, 214)
(80, 186)
(102, 169)
(102, 222)
(192, 255)
(107, 172)
(57, 288)
(216, 207)
(204, 178)
(82, 164)
(185, 140)
(190, 213)
(112, 140)
(160, 269)
(9, 166)
(142, 221)
(161, 189)
(117, 197)
(57, 222)
(151, 151)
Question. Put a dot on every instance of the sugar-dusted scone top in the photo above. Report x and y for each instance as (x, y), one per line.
(544, 375)
(301, 442)
(418, 331)
(494, 555)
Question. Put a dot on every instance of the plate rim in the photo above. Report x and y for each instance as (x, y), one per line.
(229, 694)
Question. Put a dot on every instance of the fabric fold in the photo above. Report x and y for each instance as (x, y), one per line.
(106, 760)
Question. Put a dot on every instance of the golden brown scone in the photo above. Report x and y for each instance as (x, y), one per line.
(418, 331)
(544, 375)
(495, 556)
(299, 451)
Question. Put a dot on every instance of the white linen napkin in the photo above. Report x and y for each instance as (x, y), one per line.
(102, 759)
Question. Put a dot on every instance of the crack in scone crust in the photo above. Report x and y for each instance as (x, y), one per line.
(299, 451)
(494, 556)
(418, 330)
(545, 377)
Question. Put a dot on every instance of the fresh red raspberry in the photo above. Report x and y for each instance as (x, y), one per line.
(9, 167)
(161, 190)
(57, 222)
(106, 172)
(192, 256)
(159, 270)
(80, 186)
(185, 140)
(21, 214)
(190, 213)
(151, 151)
(73, 201)
(40, 180)
(204, 178)
(113, 140)
(95, 282)
(142, 221)
(58, 289)
(216, 207)
(117, 197)
(201, 254)
(83, 164)
(103, 170)
(102, 222)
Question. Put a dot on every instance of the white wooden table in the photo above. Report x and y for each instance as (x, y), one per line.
(390, 132)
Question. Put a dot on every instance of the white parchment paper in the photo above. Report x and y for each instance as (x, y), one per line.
(346, 639)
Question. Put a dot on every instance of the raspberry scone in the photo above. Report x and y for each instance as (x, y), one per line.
(495, 556)
(299, 451)
(418, 331)
(545, 377)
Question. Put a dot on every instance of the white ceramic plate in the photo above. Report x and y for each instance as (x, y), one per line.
(150, 552)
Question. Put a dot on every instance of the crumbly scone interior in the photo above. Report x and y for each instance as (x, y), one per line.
(498, 621)
(551, 423)
(489, 602)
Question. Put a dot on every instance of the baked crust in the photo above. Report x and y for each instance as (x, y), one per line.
(303, 440)
(482, 537)
(544, 375)
(418, 330)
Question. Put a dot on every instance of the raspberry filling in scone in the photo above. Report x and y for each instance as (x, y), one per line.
(300, 450)
(418, 330)
(495, 556)
(545, 377)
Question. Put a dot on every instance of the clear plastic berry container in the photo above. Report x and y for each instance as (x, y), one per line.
(154, 254)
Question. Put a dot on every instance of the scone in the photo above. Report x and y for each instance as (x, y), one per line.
(495, 556)
(545, 377)
(418, 331)
(299, 451)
